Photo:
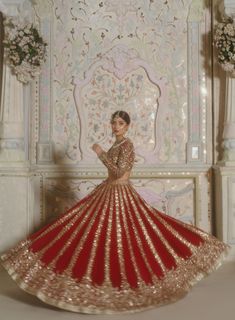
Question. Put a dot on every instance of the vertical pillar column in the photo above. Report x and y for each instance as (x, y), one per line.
(225, 170)
(12, 122)
(19, 196)
(195, 141)
(44, 145)
(11, 118)
(228, 9)
(229, 124)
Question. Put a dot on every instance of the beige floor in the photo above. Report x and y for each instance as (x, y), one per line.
(211, 299)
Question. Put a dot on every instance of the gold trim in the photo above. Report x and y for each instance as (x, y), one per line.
(109, 300)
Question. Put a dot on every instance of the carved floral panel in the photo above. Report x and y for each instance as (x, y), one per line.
(84, 33)
(105, 94)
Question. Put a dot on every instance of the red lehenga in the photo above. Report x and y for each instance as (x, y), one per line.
(112, 252)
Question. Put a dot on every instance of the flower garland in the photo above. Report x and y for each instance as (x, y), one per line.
(224, 41)
(25, 49)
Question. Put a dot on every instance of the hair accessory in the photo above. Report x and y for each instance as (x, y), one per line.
(117, 115)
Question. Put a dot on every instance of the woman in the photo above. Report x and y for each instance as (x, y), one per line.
(112, 252)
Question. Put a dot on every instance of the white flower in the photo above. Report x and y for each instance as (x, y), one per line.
(224, 40)
(228, 67)
(19, 39)
(229, 29)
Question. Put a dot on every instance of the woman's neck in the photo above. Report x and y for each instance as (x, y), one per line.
(119, 138)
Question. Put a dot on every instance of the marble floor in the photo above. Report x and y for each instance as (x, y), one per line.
(211, 299)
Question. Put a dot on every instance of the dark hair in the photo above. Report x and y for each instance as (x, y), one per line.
(122, 114)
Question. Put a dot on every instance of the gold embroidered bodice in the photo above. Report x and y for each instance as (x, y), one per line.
(119, 160)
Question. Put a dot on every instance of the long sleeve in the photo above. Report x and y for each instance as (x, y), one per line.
(119, 160)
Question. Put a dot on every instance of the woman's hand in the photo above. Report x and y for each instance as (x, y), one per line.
(97, 149)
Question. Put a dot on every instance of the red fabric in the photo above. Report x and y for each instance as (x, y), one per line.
(98, 266)
(191, 236)
(136, 252)
(161, 249)
(115, 272)
(83, 257)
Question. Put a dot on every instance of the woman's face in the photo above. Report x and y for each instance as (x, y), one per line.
(119, 126)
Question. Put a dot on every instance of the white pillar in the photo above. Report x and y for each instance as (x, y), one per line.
(11, 118)
(225, 170)
(19, 188)
(229, 123)
(12, 108)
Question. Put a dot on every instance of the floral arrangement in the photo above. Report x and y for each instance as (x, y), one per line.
(25, 49)
(224, 41)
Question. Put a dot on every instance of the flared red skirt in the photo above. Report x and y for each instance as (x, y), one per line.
(111, 253)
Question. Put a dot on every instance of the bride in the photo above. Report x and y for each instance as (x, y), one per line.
(112, 252)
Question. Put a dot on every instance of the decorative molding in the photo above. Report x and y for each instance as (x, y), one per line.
(101, 172)
(120, 61)
(121, 7)
(225, 205)
(45, 87)
(196, 11)
(231, 209)
(229, 151)
(34, 120)
(229, 121)
(194, 145)
(44, 152)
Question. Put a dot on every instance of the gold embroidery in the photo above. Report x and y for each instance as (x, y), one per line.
(85, 234)
(97, 236)
(119, 159)
(146, 237)
(90, 206)
(173, 231)
(116, 208)
(160, 235)
(119, 240)
(108, 241)
(65, 292)
(133, 259)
